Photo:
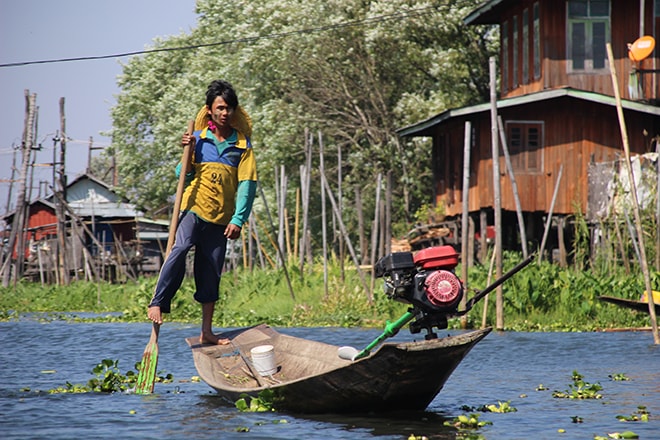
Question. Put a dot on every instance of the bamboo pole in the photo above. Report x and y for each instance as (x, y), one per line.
(484, 315)
(514, 187)
(305, 181)
(342, 228)
(497, 208)
(360, 214)
(279, 250)
(388, 214)
(633, 188)
(374, 231)
(324, 227)
(255, 235)
(296, 225)
(467, 137)
(552, 208)
(340, 201)
(21, 203)
(61, 218)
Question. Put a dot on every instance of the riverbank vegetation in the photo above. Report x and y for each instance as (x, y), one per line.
(541, 297)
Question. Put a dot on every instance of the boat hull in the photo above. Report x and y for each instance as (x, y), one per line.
(640, 306)
(311, 378)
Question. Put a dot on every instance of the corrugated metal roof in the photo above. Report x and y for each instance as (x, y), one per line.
(487, 13)
(423, 128)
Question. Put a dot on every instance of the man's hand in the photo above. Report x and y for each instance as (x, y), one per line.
(186, 139)
(232, 231)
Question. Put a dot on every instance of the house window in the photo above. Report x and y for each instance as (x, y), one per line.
(525, 145)
(525, 47)
(505, 55)
(536, 35)
(514, 43)
(588, 32)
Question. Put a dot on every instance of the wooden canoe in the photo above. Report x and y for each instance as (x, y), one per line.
(640, 306)
(312, 378)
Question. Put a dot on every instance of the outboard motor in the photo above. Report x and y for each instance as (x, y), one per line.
(425, 280)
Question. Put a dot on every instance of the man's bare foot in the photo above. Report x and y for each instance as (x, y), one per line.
(210, 338)
(154, 314)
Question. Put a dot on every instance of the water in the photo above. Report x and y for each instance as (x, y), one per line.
(503, 367)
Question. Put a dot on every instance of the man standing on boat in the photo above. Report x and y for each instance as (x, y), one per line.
(216, 203)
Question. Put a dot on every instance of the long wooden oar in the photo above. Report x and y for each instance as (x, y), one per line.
(147, 374)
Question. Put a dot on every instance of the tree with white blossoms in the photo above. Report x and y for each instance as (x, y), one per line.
(355, 71)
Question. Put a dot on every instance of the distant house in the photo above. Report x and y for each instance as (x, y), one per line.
(557, 106)
(103, 229)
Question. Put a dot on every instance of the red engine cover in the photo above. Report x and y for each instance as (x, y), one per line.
(443, 288)
(437, 257)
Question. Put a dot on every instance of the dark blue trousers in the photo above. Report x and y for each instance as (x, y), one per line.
(210, 247)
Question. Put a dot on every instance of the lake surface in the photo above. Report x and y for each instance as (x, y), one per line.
(503, 367)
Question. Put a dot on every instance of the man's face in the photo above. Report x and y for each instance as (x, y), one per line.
(220, 112)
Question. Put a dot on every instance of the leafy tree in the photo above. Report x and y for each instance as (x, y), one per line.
(353, 71)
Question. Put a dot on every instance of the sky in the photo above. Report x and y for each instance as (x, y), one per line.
(35, 30)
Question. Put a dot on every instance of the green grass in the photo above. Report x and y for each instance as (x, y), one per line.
(539, 298)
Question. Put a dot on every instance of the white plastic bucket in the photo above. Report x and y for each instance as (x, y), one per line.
(263, 358)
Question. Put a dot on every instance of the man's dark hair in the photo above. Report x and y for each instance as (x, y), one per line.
(223, 89)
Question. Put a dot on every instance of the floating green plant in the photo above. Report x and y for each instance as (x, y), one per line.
(263, 402)
(641, 415)
(618, 377)
(108, 379)
(580, 389)
(470, 421)
(617, 435)
(501, 407)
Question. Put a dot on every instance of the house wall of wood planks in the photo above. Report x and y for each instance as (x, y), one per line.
(574, 133)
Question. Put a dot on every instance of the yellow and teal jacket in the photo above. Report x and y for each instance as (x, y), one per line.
(222, 183)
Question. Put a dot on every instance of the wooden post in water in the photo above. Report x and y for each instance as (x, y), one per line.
(633, 193)
(61, 217)
(497, 209)
(467, 141)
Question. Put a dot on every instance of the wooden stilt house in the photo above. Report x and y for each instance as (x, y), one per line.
(557, 104)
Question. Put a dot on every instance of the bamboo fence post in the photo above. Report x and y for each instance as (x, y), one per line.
(255, 234)
(305, 182)
(514, 187)
(362, 238)
(268, 235)
(16, 233)
(467, 141)
(622, 248)
(484, 315)
(638, 220)
(324, 182)
(552, 208)
(287, 235)
(340, 201)
(499, 303)
(324, 227)
(374, 231)
(246, 246)
(61, 218)
(296, 225)
(279, 251)
(388, 214)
